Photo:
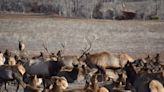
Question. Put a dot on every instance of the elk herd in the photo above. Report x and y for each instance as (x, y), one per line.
(96, 72)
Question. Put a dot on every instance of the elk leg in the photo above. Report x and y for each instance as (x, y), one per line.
(1, 87)
(18, 84)
(6, 87)
(44, 84)
(17, 88)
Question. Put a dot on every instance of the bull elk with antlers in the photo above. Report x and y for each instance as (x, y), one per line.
(104, 59)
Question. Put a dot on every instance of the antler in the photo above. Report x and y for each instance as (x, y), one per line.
(45, 48)
(90, 45)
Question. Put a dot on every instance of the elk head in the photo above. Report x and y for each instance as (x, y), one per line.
(59, 82)
(21, 46)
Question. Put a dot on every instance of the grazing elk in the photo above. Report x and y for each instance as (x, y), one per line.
(10, 73)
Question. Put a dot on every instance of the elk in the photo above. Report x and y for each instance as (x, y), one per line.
(68, 60)
(21, 46)
(32, 86)
(156, 86)
(140, 80)
(43, 69)
(93, 85)
(104, 59)
(2, 58)
(32, 80)
(51, 68)
(9, 59)
(59, 85)
(12, 61)
(29, 88)
(72, 75)
(10, 73)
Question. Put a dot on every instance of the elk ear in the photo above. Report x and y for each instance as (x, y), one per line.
(83, 66)
(35, 76)
(128, 62)
(58, 82)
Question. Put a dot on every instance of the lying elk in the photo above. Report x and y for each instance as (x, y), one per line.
(156, 86)
(33, 85)
(32, 80)
(93, 86)
(10, 73)
(59, 85)
(76, 74)
(104, 59)
(140, 80)
(2, 58)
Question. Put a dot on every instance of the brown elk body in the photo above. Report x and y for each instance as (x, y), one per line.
(106, 60)
(69, 60)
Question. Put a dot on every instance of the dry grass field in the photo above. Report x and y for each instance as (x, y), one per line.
(133, 37)
(137, 38)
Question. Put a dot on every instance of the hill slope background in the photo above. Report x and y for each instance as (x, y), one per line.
(103, 9)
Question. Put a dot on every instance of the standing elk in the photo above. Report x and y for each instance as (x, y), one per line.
(10, 73)
(104, 59)
(43, 69)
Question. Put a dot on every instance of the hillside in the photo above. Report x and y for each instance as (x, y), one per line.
(101, 9)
